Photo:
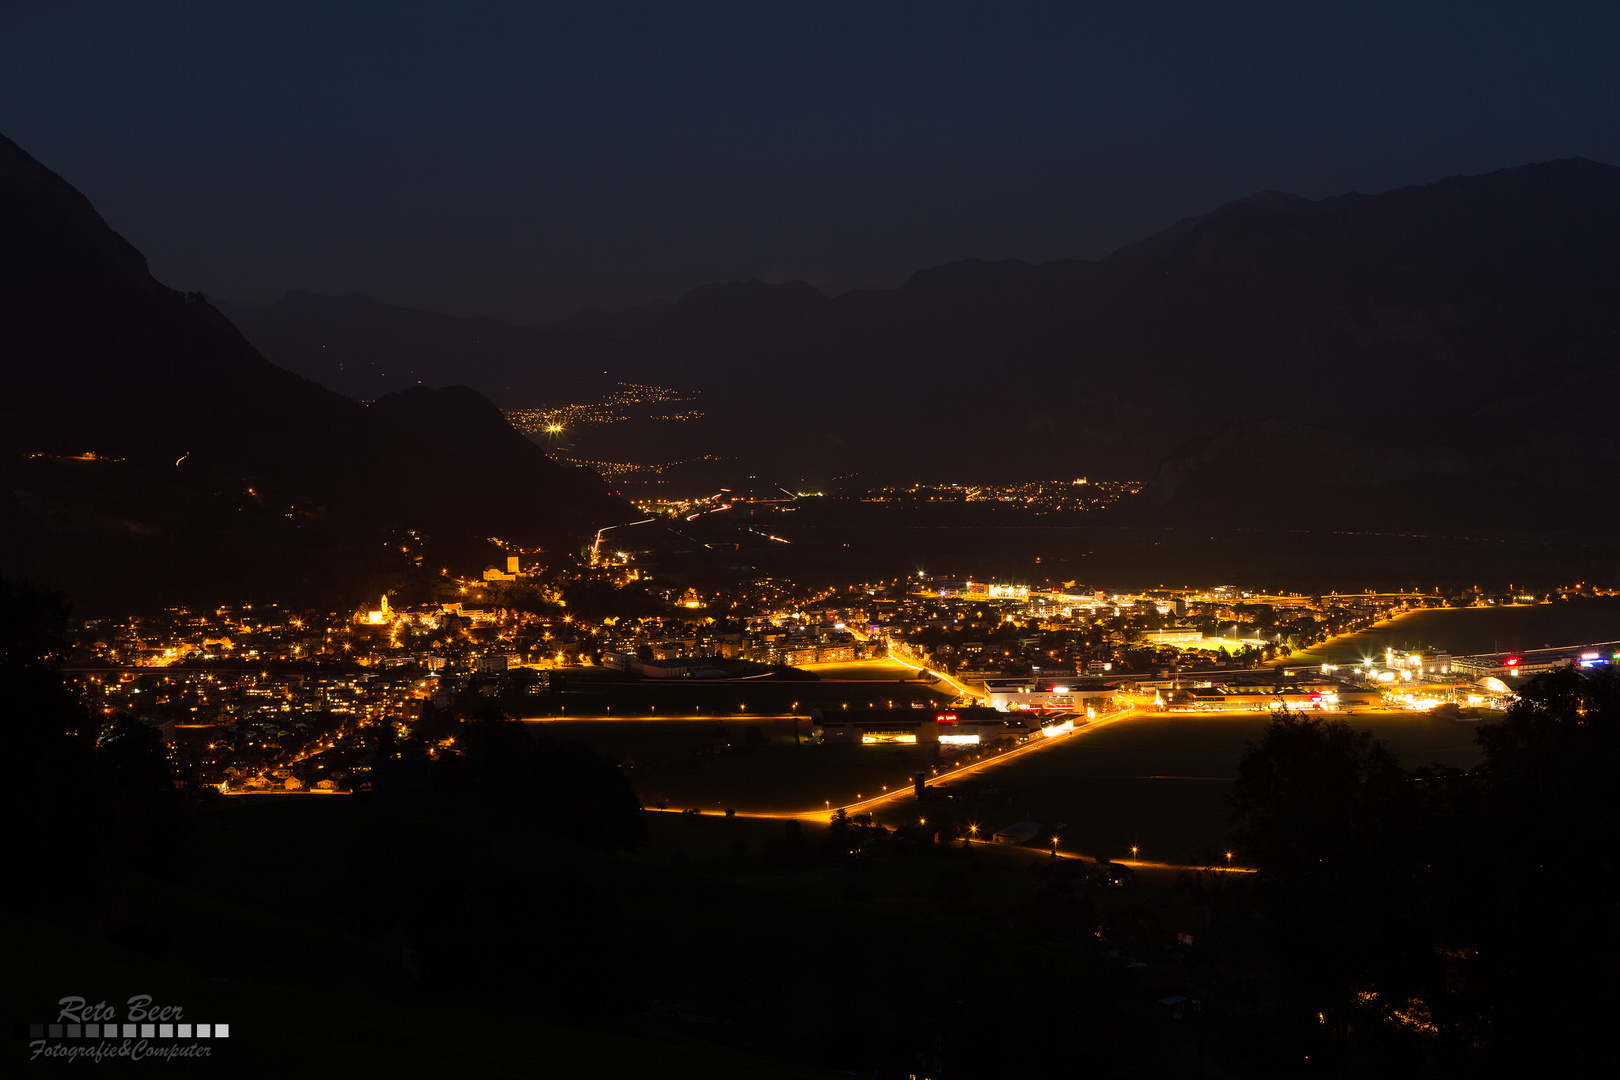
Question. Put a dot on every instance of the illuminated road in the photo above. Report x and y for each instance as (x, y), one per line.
(825, 811)
(898, 659)
(964, 691)
(1033, 746)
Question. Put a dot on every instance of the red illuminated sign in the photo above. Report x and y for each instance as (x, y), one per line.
(945, 717)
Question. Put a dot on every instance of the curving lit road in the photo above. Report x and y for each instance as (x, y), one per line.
(1138, 706)
(1035, 745)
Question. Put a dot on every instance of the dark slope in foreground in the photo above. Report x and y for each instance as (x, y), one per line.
(213, 469)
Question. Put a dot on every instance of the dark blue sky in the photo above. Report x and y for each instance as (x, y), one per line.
(517, 159)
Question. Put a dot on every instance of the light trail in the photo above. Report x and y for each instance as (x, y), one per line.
(902, 661)
(596, 547)
(964, 691)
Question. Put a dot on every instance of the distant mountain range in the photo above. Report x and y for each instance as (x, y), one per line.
(1368, 318)
(1433, 358)
(150, 454)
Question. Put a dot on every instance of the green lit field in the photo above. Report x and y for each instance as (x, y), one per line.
(1472, 630)
(1159, 781)
(880, 670)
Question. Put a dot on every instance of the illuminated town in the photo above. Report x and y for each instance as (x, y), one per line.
(255, 699)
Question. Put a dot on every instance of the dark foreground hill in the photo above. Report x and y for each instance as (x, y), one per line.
(1360, 313)
(151, 454)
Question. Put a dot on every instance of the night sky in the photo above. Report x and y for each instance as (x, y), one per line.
(518, 159)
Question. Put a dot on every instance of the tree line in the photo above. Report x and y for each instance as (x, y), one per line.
(1428, 922)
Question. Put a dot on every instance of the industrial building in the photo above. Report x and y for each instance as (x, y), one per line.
(1072, 695)
(974, 726)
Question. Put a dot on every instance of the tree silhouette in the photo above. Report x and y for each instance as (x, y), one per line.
(1327, 818)
(564, 788)
(1547, 796)
(59, 784)
(1439, 920)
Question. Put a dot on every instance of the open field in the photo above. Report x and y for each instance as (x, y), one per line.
(1156, 781)
(675, 762)
(1159, 781)
(1472, 630)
